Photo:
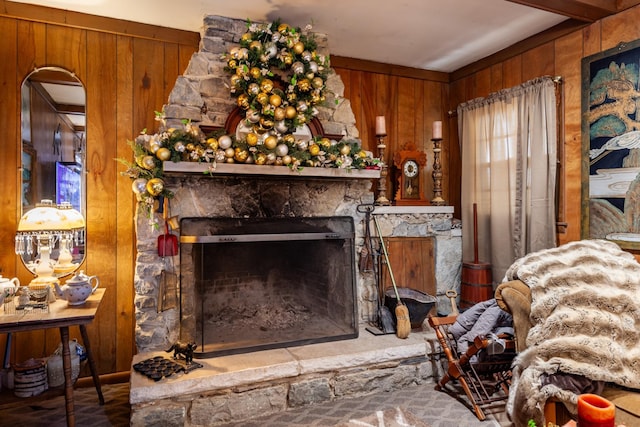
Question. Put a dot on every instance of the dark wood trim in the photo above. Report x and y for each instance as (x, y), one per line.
(85, 21)
(585, 11)
(553, 33)
(388, 69)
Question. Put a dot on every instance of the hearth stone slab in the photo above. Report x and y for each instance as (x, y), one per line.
(284, 378)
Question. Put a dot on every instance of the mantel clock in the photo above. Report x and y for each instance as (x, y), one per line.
(409, 163)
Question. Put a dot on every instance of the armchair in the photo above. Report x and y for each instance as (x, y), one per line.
(515, 297)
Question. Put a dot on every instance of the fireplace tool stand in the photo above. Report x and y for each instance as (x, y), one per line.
(384, 323)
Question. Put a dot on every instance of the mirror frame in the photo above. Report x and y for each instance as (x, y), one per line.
(30, 173)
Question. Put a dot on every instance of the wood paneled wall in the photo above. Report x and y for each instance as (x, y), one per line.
(560, 57)
(411, 100)
(126, 78)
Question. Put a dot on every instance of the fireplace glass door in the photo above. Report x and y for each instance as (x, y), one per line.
(260, 283)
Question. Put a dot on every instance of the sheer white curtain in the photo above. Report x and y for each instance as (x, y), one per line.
(508, 144)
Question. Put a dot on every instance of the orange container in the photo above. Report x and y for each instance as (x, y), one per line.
(595, 411)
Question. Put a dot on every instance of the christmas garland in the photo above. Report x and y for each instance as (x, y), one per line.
(278, 79)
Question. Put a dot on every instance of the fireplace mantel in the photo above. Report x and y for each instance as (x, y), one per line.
(268, 170)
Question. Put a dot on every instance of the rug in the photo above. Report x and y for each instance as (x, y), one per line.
(397, 417)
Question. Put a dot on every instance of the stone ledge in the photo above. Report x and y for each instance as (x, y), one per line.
(245, 370)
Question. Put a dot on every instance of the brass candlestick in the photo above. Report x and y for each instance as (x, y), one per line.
(382, 181)
(437, 173)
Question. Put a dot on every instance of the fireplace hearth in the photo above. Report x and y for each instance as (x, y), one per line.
(251, 284)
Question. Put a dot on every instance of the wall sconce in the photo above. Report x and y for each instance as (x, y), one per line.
(44, 232)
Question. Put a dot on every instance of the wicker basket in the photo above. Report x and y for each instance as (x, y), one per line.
(30, 378)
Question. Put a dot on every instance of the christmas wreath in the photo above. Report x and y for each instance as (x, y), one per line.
(278, 78)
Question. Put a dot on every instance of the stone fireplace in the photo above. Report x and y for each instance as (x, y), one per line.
(297, 232)
(201, 96)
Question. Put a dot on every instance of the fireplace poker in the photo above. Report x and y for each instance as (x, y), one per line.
(403, 323)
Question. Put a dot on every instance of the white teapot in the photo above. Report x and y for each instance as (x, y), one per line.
(8, 287)
(78, 288)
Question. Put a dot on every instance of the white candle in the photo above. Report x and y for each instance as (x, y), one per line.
(380, 126)
(437, 130)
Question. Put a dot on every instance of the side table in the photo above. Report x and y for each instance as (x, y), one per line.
(61, 315)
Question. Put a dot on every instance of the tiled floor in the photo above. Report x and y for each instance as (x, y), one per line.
(435, 408)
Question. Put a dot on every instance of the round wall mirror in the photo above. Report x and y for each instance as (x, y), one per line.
(53, 136)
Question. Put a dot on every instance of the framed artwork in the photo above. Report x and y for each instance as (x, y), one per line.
(611, 145)
(28, 178)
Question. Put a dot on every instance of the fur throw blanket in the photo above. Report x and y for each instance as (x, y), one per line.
(585, 313)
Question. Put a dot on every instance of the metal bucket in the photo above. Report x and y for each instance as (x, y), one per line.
(418, 303)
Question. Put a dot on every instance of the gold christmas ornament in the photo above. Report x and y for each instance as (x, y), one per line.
(263, 98)
(270, 142)
(275, 100)
(190, 146)
(286, 160)
(240, 154)
(290, 112)
(283, 28)
(289, 139)
(243, 101)
(235, 80)
(266, 123)
(255, 45)
(246, 37)
(155, 186)
(212, 143)
(266, 85)
(314, 149)
(261, 158)
(345, 150)
(229, 152)
(279, 113)
(317, 82)
(304, 85)
(232, 64)
(163, 154)
(325, 142)
(255, 72)
(298, 48)
(252, 139)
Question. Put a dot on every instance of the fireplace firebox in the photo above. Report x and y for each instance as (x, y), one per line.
(251, 284)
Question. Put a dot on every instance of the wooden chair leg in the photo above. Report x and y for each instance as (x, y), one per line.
(478, 411)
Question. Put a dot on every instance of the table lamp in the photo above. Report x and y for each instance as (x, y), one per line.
(40, 229)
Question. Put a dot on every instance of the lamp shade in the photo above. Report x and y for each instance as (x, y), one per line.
(47, 217)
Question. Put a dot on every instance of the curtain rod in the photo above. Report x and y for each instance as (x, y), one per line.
(556, 79)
